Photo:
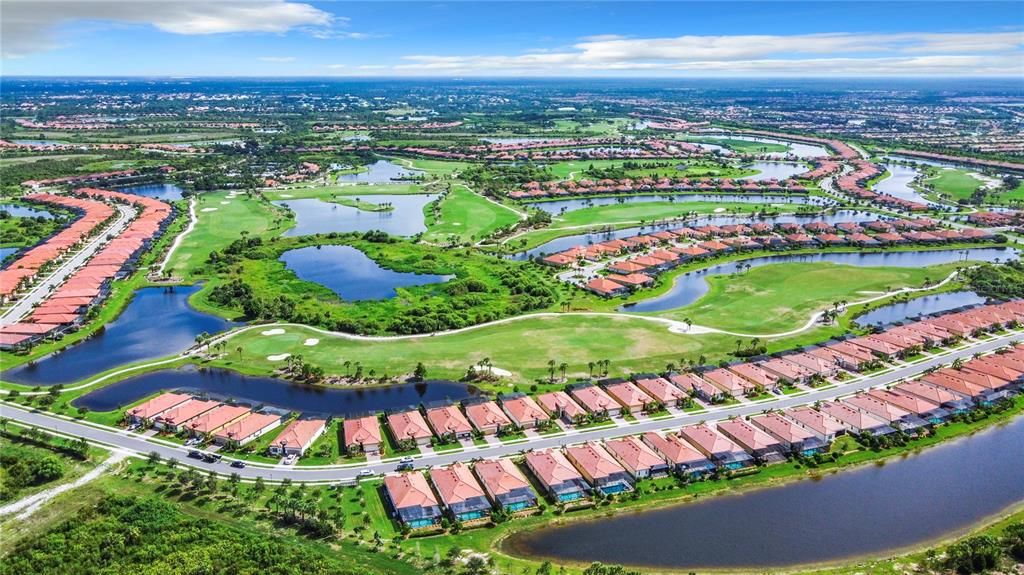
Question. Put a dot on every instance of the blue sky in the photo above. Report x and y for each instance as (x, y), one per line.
(672, 39)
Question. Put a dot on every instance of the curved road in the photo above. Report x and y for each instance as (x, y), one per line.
(140, 445)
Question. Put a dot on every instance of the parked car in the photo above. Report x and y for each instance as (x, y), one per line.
(290, 459)
(404, 467)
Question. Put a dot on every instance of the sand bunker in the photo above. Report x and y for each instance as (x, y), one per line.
(278, 357)
(287, 196)
(275, 331)
(499, 372)
(208, 210)
(719, 210)
(224, 203)
(311, 341)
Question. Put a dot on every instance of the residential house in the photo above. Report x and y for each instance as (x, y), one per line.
(448, 423)
(174, 419)
(680, 455)
(411, 500)
(595, 400)
(756, 442)
(523, 411)
(298, 435)
(559, 478)
(486, 416)
(559, 405)
(505, 484)
(920, 407)
(822, 425)
(694, 385)
(856, 420)
(661, 390)
(793, 437)
(599, 468)
(246, 429)
(408, 428)
(217, 418)
(637, 457)
(147, 411)
(629, 396)
(890, 413)
(460, 492)
(716, 447)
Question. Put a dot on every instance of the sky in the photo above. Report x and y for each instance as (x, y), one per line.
(823, 38)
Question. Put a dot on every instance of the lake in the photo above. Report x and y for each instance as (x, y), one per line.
(313, 216)
(917, 307)
(774, 170)
(310, 399)
(379, 172)
(156, 323)
(350, 273)
(566, 242)
(166, 192)
(22, 211)
(870, 510)
(690, 286)
(558, 206)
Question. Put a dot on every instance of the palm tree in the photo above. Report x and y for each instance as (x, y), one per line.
(239, 350)
(590, 365)
(562, 367)
(551, 370)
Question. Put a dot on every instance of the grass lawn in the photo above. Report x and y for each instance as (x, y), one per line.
(215, 229)
(694, 168)
(782, 297)
(54, 158)
(433, 167)
(955, 183)
(631, 345)
(467, 216)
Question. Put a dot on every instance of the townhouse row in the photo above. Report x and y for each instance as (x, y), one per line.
(554, 189)
(66, 307)
(573, 474)
(223, 423)
(854, 185)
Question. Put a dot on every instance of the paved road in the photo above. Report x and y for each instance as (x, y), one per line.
(43, 290)
(138, 444)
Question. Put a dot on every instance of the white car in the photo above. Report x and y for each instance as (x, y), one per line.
(290, 459)
(365, 473)
(405, 460)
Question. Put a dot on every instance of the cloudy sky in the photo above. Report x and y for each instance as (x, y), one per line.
(525, 38)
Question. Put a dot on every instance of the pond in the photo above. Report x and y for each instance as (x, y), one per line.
(39, 142)
(157, 323)
(871, 510)
(558, 206)
(163, 191)
(897, 183)
(23, 211)
(567, 242)
(798, 149)
(5, 252)
(351, 274)
(313, 216)
(774, 170)
(379, 172)
(690, 286)
(310, 399)
(917, 307)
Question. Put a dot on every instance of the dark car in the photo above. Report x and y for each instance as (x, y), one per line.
(238, 464)
(195, 454)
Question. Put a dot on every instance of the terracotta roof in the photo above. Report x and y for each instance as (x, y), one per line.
(409, 490)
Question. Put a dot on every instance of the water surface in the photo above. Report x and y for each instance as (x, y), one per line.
(774, 170)
(917, 307)
(225, 384)
(163, 191)
(873, 509)
(313, 216)
(380, 172)
(22, 211)
(558, 206)
(350, 273)
(156, 323)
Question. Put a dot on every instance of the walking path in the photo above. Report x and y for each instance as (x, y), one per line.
(177, 241)
(27, 506)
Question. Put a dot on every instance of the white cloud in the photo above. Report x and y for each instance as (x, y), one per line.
(277, 58)
(336, 66)
(994, 53)
(30, 25)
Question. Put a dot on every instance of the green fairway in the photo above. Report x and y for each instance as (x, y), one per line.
(432, 167)
(326, 192)
(465, 215)
(32, 159)
(740, 146)
(693, 169)
(782, 297)
(955, 184)
(522, 347)
(220, 225)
